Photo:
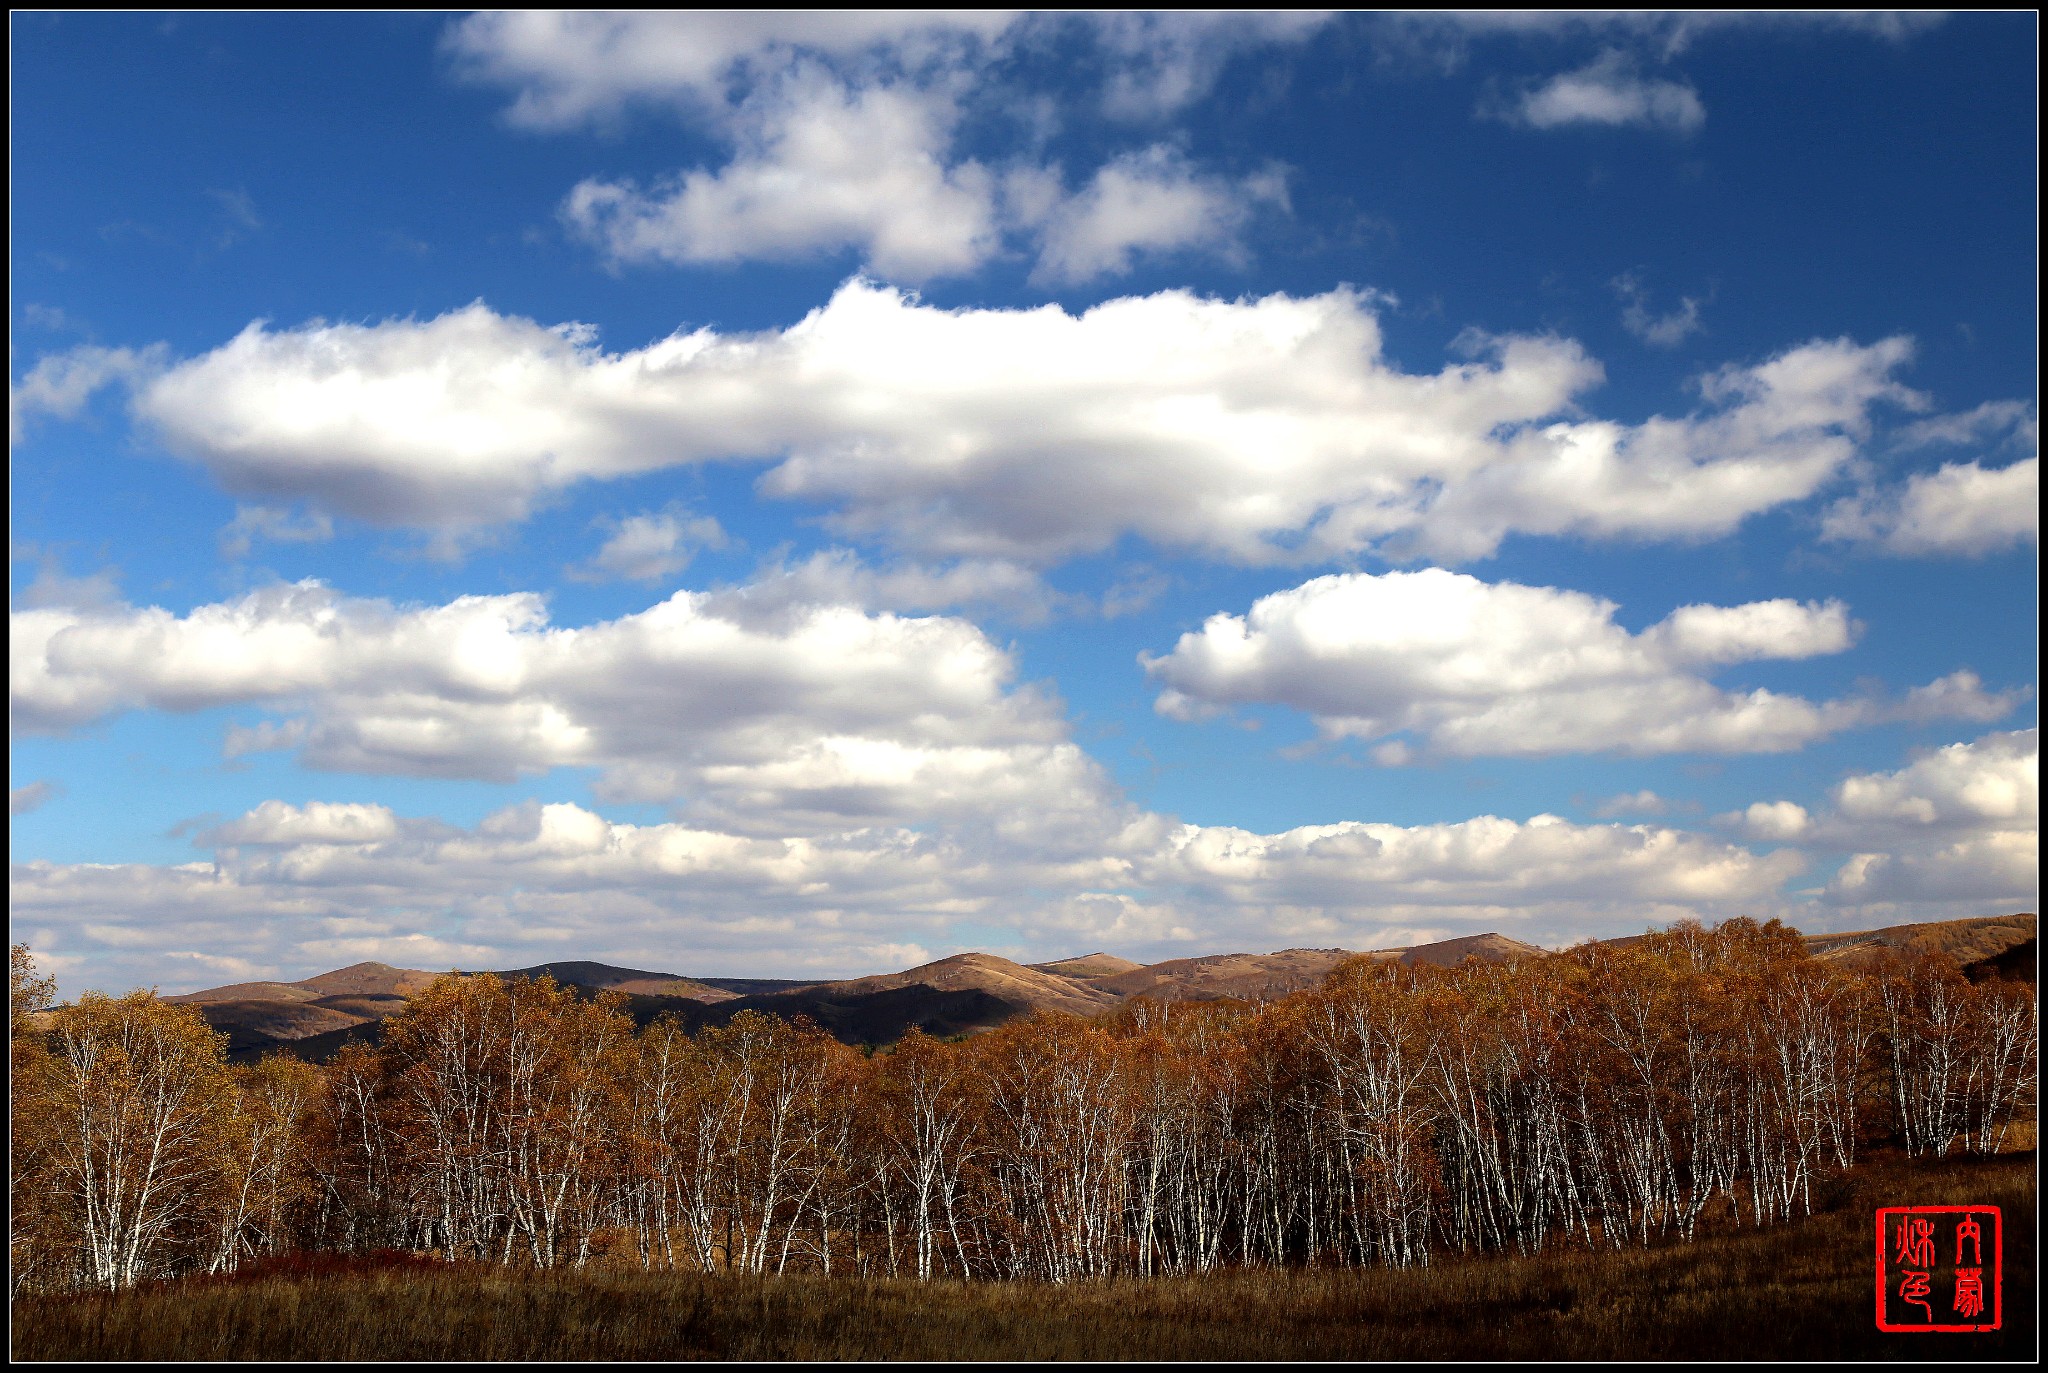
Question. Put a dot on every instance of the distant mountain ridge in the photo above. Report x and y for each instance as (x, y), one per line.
(604, 977)
(984, 972)
(971, 992)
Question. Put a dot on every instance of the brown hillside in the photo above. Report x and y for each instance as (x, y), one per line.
(633, 981)
(369, 979)
(1089, 966)
(278, 1019)
(251, 991)
(1013, 982)
(674, 986)
(1968, 942)
(1216, 977)
(875, 1009)
(1449, 953)
(325, 1004)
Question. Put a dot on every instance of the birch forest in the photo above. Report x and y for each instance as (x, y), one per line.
(1614, 1095)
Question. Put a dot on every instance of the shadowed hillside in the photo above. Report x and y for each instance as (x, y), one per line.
(2016, 964)
(280, 1020)
(864, 1018)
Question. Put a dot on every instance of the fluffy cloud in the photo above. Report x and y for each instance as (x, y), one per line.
(1961, 510)
(1159, 62)
(890, 85)
(1773, 434)
(764, 711)
(1149, 201)
(2014, 421)
(60, 384)
(1256, 430)
(1953, 831)
(1485, 861)
(1498, 668)
(649, 547)
(843, 130)
(819, 167)
(1659, 331)
(1775, 821)
(258, 523)
(296, 889)
(317, 822)
(570, 66)
(1992, 783)
(1609, 91)
(1999, 871)
(838, 576)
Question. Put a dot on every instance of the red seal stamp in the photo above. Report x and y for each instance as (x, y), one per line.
(1938, 1268)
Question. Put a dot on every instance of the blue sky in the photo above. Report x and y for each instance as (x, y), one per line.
(747, 493)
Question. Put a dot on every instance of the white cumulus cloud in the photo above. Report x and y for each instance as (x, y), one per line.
(1610, 91)
(844, 134)
(649, 547)
(819, 167)
(60, 384)
(571, 66)
(1258, 430)
(1149, 201)
(769, 711)
(1961, 510)
(1479, 668)
(1954, 832)
(1162, 61)
(1777, 821)
(1660, 331)
(316, 822)
(1994, 782)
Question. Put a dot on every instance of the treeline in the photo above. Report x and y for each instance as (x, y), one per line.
(1608, 1096)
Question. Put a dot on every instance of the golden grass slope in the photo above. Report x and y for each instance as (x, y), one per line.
(1013, 982)
(1216, 977)
(370, 979)
(636, 981)
(1089, 966)
(1449, 953)
(1965, 941)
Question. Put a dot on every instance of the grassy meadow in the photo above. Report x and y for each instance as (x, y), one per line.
(1801, 1290)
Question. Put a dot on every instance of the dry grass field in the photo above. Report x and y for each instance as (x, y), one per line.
(1801, 1291)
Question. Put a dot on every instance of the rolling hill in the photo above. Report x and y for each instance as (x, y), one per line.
(1015, 983)
(1998, 942)
(1089, 967)
(604, 977)
(971, 992)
